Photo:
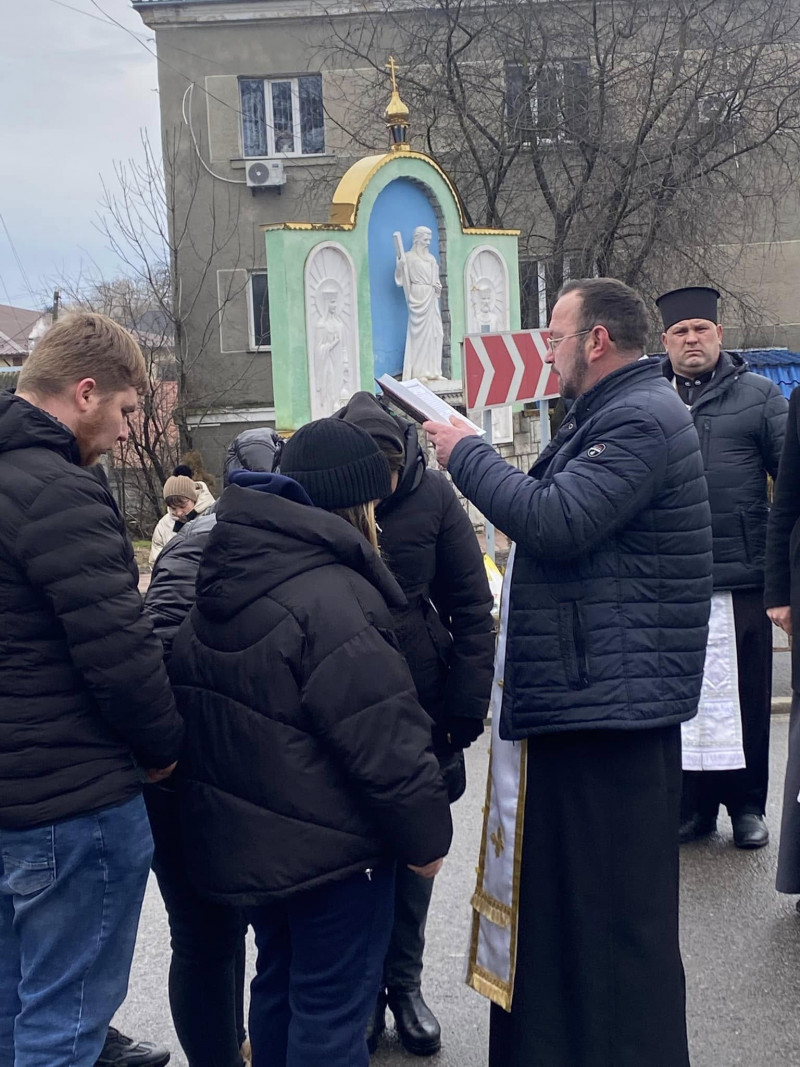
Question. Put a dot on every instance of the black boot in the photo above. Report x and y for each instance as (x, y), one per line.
(697, 827)
(122, 1051)
(749, 830)
(417, 1028)
(377, 1022)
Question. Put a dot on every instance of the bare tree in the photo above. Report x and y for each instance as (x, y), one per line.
(629, 138)
(169, 235)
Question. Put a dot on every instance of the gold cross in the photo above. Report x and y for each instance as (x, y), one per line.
(498, 840)
(393, 68)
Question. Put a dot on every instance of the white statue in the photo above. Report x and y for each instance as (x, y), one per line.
(331, 328)
(417, 271)
(486, 280)
(330, 354)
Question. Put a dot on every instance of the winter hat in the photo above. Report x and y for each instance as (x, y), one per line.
(180, 485)
(364, 410)
(338, 464)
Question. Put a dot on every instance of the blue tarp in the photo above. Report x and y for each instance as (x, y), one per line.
(777, 364)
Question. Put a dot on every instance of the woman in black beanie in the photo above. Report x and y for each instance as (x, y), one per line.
(308, 768)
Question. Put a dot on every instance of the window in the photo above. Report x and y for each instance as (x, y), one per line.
(282, 116)
(551, 108)
(260, 336)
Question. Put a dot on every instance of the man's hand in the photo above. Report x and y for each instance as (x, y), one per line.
(445, 438)
(782, 617)
(430, 870)
(160, 775)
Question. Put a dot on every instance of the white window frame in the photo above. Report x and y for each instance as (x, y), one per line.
(269, 118)
(251, 314)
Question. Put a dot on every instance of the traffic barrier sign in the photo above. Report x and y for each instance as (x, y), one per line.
(507, 368)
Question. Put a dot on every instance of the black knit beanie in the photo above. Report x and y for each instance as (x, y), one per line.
(338, 464)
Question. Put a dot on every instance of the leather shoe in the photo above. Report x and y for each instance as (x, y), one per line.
(417, 1028)
(749, 830)
(697, 827)
(122, 1051)
(377, 1022)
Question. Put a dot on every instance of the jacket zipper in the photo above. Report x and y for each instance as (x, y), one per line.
(579, 638)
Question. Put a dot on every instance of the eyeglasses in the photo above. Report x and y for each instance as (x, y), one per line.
(554, 342)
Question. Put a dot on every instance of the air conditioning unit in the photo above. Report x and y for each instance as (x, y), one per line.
(262, 173)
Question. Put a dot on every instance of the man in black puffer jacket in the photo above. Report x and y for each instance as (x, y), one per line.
(600, 658)
(447, 637)
(740, 419)
(86, 710)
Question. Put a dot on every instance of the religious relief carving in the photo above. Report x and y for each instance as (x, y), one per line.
(331, 329)
(486, 278)
(417, 272)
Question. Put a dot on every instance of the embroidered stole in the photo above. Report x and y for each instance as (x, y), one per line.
(495, 903)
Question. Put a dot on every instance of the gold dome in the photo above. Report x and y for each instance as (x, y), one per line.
(396, 111)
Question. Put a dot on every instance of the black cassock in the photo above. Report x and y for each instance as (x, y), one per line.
(599, 980)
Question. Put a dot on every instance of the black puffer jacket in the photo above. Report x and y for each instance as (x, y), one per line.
(445, 631)
(83, 690)
(308, 756)
(611, 582)
(740, 419)
(171, 592)
(782, 570)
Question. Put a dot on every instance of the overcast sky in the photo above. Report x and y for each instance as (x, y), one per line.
(76, 94)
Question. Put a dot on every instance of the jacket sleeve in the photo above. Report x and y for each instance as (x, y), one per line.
(73, 551)
(784, 514)
(171, 592)
(773, 427)
(460, 592)
(568, 514)
(362, 703)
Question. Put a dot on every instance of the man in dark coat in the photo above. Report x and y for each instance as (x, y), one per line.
(446, 634)
(740, 419)
(600, 658)
(86, 710)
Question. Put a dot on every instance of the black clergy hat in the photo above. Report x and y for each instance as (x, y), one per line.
(693, 302)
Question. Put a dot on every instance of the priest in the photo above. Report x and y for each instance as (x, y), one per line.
(740, 419)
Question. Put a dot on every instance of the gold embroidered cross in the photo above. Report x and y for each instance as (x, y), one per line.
(498, 840)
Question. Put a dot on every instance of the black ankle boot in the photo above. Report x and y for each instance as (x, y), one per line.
(417, 1028)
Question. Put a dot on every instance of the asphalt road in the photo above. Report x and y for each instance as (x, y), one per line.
(741, 944)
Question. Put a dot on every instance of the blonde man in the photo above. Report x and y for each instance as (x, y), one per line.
(86, 712)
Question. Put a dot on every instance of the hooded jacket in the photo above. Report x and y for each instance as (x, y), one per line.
(308, 756)
(611, 581)
(85, 703)
(445, 629)
(740, 419)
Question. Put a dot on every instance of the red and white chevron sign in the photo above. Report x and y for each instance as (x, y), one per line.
(507, 368)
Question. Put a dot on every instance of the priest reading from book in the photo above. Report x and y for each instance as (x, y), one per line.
(599, 660)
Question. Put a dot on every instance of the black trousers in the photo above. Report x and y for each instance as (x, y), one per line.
(743, 790)
(206, 974)
(402, 968)
(599, 979)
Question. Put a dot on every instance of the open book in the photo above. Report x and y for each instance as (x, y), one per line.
(420, 402)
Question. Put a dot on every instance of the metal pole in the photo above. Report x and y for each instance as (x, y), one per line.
(544, 422)
(489, 528)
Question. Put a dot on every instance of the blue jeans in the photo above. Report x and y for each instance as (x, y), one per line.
(70, 898)
(319, 966)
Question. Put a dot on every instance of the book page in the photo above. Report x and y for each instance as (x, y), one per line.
(441, 410)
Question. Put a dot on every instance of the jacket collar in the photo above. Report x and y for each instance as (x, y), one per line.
(23, 425)
(730, 367)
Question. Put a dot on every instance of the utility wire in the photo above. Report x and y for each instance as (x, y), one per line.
(18, 261)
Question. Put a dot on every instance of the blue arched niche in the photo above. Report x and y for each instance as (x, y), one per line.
(402, 206)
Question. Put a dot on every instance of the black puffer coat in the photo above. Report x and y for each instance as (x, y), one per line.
(445, 631)
(782, 570)
(308, 756)
(83, 690)
(611, 581)
(740, 419)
